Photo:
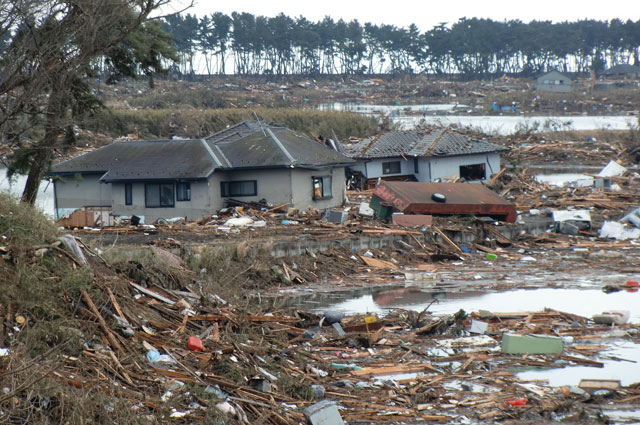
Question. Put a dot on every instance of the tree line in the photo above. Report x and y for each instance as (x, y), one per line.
(247, 44)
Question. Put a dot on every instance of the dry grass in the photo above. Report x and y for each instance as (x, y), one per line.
(191, 122)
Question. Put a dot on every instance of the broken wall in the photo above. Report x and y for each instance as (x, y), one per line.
(78, 191)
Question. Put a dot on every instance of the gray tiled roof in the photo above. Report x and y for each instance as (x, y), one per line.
(143, 160)
(622, 68)
(437, 142)
(255, 145)
(245, 145)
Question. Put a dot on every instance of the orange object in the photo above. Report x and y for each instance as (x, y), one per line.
(633, 283)
(516, 401)
(194, 343)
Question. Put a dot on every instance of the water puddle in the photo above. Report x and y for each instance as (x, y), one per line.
(584, 302)
(393, 110)
(563, 179)
(623, 416)
(626, 371)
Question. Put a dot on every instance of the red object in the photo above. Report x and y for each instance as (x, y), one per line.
(462, 198)
(516, 401)
(194, 343)
(632, 283)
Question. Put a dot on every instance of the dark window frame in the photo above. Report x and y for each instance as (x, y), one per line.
(322, 180)
(185, 194)
(386, 167)
(128, 194)
(473, 171)
(226, 189)
(148, 186)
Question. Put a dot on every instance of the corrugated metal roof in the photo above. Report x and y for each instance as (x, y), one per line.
(461, 198)
(244, 145)
(437, 142)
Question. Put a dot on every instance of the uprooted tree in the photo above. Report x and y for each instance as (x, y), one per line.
(50, 50)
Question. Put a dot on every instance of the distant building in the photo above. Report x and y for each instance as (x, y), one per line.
(429, 156)
(623, 70)
(554, 81)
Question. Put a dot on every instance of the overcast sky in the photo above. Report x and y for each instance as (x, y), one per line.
(425, 13)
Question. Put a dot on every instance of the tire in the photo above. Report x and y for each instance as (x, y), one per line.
(439, 197)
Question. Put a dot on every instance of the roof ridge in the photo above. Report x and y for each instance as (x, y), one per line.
(280, 145)
(374, 139)
(210, 151)
(435, 142)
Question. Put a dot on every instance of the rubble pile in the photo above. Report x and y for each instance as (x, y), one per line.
(181, 355)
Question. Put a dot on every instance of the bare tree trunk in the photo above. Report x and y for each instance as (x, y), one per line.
(44, 150)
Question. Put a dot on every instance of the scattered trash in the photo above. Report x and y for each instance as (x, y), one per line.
(323, 413)
(612, 169)
(194, 343)
(614, 317)
(478, 327)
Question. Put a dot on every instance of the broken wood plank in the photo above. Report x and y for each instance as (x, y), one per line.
(152, 294)
(380, 264)
(112, 339)
(392, 370)
(447, 240)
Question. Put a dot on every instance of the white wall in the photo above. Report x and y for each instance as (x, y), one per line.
(198, 207)
(302, 185)
(374, 167)
(73, 192)
(273, 185)
(448, 167)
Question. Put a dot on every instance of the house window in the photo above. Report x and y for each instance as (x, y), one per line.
(159, 195)
(128, 194)
(239, 188)
(391, 167)
(183, 191)
(473, 172)
(321, 188)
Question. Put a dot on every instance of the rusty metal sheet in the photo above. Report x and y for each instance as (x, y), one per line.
(461, 198)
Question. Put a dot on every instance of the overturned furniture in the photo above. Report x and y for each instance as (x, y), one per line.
(440, 199)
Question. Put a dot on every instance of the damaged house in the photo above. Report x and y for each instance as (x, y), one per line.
(422, 156)
(192, 178)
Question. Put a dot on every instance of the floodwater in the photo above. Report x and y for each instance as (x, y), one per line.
(625, 370)
(395, 110)
(506, 125)
(15, 186)
(584, 302)
(408, 116)
(620, 359)
(562, 179)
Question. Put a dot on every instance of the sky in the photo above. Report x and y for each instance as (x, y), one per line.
(425, 14)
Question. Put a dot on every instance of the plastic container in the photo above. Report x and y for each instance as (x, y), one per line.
(491, 256)
(194, 343)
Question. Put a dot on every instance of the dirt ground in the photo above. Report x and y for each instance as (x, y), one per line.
(474, 97)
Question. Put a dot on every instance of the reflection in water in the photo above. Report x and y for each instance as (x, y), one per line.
(584, 302)
(627, 372)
